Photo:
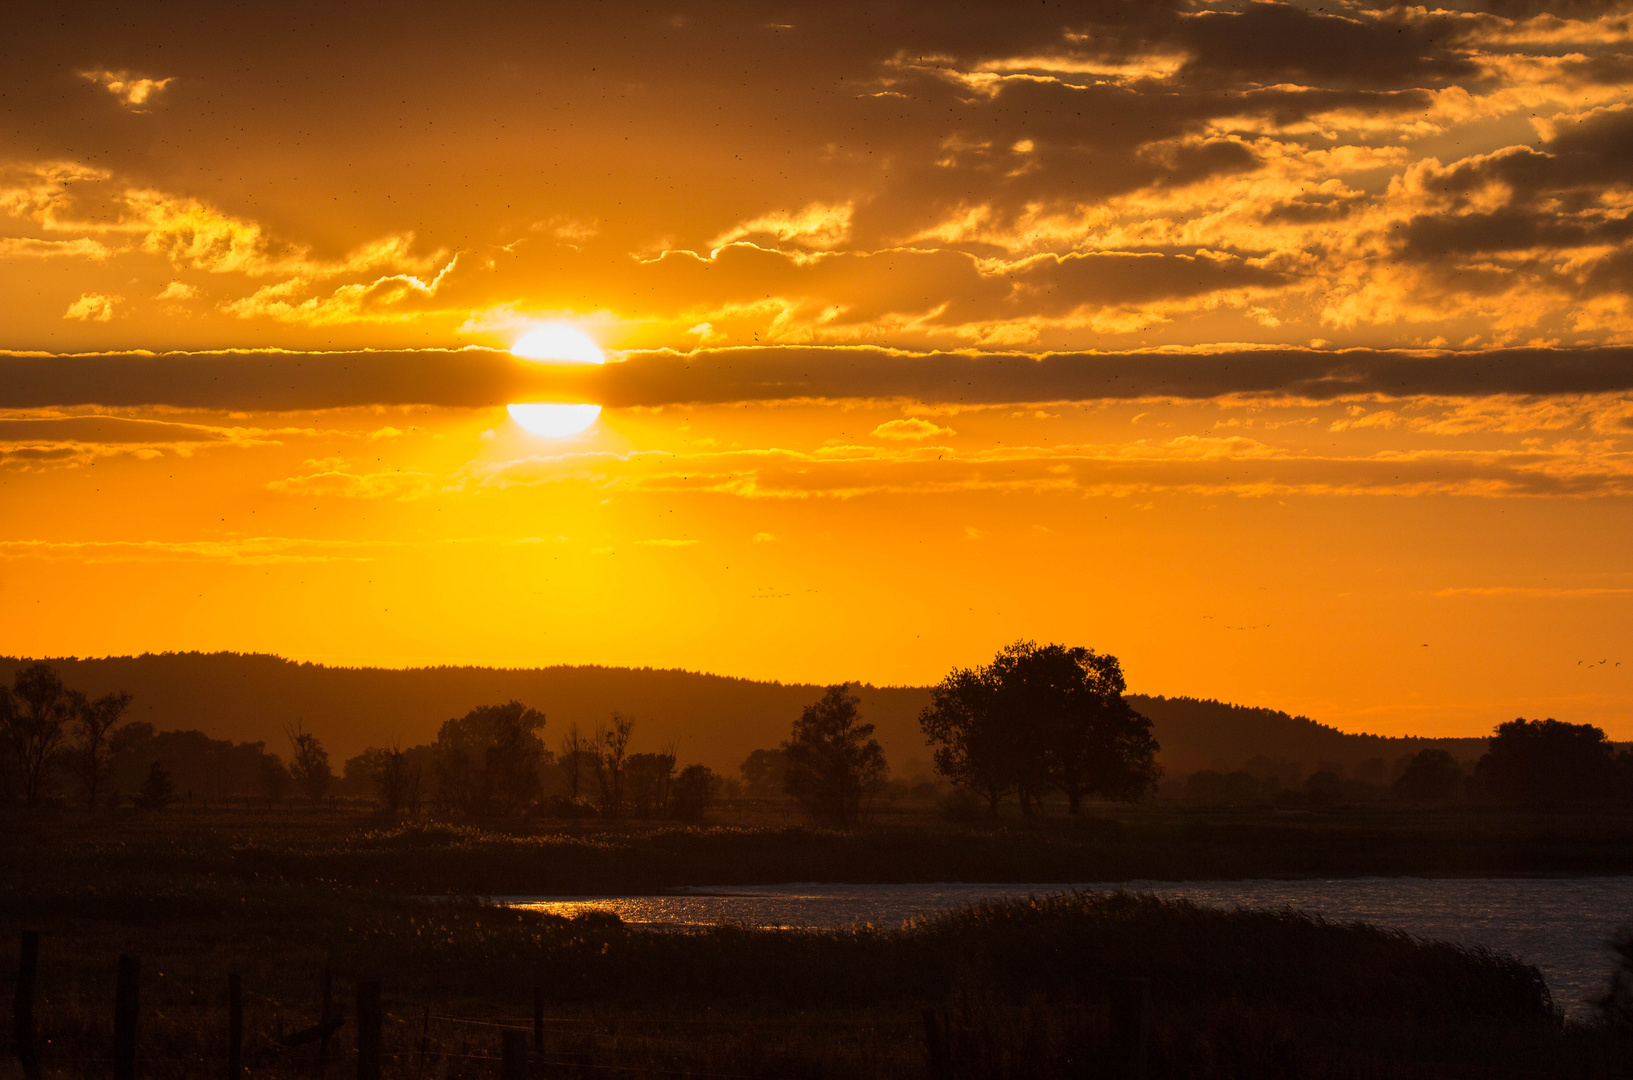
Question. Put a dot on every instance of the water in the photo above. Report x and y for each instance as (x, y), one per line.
(1558, 924)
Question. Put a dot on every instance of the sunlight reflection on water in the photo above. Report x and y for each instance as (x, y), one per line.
(1558, 924)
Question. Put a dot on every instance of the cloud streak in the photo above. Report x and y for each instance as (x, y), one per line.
(481, 378)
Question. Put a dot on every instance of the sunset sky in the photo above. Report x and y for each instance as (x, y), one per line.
(1283, 350)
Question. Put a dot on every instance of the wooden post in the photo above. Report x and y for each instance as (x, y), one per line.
(368, 1030)
(513, 1055)
(124, 1019)
(235, 1026)
(935, 1042)
(325, 1010)
(22, 1005)
(1131, 1028)
(538, 1020)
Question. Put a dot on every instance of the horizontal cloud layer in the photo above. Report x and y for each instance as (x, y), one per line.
(474, 378)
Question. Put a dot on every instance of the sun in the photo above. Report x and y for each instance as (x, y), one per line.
(554, 421)
(557, 341)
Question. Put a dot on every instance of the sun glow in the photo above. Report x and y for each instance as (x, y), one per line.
(557, 341)
(554, 421)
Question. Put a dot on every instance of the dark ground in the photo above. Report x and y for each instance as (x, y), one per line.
(1020, 989)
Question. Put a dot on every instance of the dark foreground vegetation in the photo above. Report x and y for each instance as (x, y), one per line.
(1017, 989)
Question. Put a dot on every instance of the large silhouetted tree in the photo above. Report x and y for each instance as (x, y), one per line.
(488, 761)
(35, 716)
(1066, 706)
(1041, 716)
(832, 759)
(1546, 763)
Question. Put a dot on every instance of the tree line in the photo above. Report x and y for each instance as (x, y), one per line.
(1533, 763)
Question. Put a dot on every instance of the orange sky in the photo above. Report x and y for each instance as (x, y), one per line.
(1283, 351)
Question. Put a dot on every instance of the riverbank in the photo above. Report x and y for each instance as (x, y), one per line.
(526, 856)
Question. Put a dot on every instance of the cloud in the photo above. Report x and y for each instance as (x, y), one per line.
(339, 483)
(177, 291)
(14, 247)
(1187, 465)
(133, 91)
(485, 378)
(92, 307)
(816, 225)
(912, 428)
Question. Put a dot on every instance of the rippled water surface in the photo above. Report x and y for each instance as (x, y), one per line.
(1558, 924)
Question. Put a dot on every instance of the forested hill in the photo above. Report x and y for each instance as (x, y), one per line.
(711, 718)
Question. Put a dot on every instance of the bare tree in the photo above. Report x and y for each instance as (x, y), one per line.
(611, 749)
(310, 764)
(94, 722)
(575, 752)
(34, 716)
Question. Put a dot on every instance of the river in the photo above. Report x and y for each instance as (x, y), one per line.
(1559, 924)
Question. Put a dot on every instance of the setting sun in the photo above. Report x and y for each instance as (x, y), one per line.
(557, 341)
(554, 421)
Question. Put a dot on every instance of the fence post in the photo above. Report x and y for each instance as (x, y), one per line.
(325, 1011)
(22, 1005)
(124, 1019)
(368, 1030)
(513, 1055)
(235, 1026)
(1131, 1028)
(538, 1020)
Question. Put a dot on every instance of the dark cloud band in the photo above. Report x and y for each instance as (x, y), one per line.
(483, 378)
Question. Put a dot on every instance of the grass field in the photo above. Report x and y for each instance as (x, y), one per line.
(1019, 989)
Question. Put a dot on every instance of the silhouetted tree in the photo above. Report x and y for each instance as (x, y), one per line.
(158, 791)
(610, 753)
(94, 722)
(968, 733)
(693, 791)
(577, 756)
(1432, 775)
(832, 759)
(763, 772)
(396, 776)
(309, 762)
(1091, 740)
(1041, 716)
(648, 778)
(1546, 763)
(35, 716)
(488, 761)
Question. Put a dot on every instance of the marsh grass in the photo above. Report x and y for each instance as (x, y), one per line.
(1022, 985)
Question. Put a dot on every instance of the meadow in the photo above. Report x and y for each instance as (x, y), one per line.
(1019, 989)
